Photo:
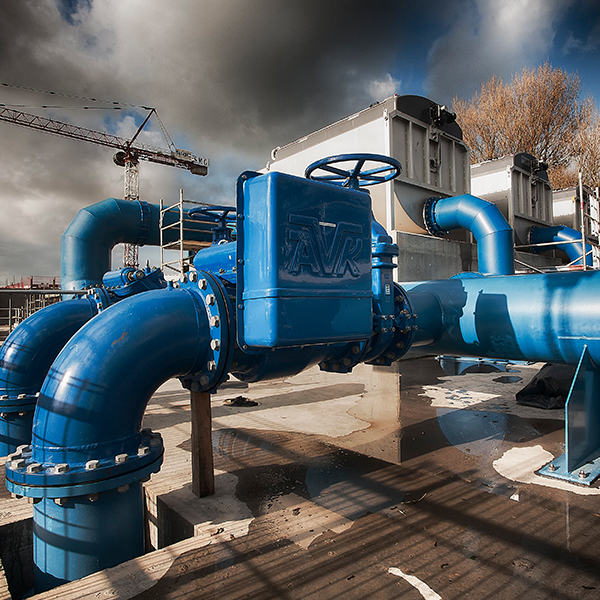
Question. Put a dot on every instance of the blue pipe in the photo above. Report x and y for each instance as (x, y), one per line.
(89, 239)
(88, 449)
(562, 234)
(543, 317)
(494, 236)
(25, 357)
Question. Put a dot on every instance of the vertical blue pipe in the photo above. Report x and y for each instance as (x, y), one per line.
(494, 236)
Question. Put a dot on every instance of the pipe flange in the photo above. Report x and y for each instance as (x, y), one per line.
(25, 476)
(99, 298)
(219, 353)
(19, 403)
(429, 217)
(403, 325)
(343, 362)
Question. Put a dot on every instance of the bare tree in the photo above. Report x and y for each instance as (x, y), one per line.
(538, 112)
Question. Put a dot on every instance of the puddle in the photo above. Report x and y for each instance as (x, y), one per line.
(508, 379)
(477, 433)
(271, 465)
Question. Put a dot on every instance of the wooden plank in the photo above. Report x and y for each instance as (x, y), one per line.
(203, 477)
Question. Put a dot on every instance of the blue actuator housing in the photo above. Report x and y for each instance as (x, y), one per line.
(304, 262)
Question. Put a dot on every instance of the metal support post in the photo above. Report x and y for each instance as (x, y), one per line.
(582, 211)
(581, 461)
(203, 476)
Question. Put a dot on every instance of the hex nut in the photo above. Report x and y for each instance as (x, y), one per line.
(195, 386)
(215, 321)
(61, 468)
(35, 468)
(204, 380)
(60, 501)
(121, 458)
(93, 497)
(123, 488)
(193, 276)
(211, 365)
(143, 450)
(155, 442)
(202, 284)
(18, 463)
(91, 465)
(347, 362)
(215, 345)
(24, 448)
(210, 299)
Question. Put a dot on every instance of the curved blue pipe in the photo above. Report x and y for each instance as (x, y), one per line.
(99, 374)
(543, 317)
(89, 239)
(25, 357)
(90, 409)
(562, 234)
(494, 236)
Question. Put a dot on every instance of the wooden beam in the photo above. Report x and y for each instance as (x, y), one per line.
(203, 475)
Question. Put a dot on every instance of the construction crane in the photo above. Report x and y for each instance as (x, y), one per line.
(129, 153)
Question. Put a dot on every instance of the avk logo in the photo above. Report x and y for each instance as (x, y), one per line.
(310, 248)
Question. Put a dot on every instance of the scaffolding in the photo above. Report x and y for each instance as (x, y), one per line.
(185, 247)
(579, 209)
(17, 304)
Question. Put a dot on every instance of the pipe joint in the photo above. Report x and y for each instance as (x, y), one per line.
(25, 476)
(213, 365)
(393, 333)
(429, 219)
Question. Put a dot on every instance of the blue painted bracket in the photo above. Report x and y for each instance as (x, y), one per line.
(581, 461)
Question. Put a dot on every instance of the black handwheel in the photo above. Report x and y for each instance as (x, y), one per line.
(362, 170)
(212, 214)
(215, 214)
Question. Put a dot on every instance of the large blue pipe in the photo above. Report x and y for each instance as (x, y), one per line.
(543, 317)
(88, 241)
(494, 236)
(90, 413)
(566, 239)
(26, 356)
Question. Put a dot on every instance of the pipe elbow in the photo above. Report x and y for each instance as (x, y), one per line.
(92, 402)
(493, 234)
(31, 348)
(568, 240)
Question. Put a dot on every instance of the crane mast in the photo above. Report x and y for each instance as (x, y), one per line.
(129, 153)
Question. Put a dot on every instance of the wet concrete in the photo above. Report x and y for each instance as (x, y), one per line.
(444, 515)
(322, 519)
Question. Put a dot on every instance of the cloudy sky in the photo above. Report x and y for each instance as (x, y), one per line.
(231, 79)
